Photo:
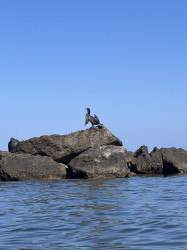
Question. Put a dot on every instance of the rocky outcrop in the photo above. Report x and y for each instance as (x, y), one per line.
(174, 160)
(159, 161)
(145, 163)
(100, 162)
(92, 153)
(19, 167)
(63, 148)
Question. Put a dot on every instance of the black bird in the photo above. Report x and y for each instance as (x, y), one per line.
(93, 119)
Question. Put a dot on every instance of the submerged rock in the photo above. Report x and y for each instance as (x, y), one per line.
(19, 167)
(63, 148)
(100, 162)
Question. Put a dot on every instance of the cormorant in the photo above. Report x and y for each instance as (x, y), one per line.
(93, 119)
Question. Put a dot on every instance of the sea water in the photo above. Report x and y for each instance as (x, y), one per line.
(131, 213)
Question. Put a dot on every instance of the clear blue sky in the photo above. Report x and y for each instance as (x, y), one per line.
(124, 59)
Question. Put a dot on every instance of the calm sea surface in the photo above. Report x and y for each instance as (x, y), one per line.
(135, 213)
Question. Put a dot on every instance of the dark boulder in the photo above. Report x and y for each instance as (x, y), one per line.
(18, 167)
(63, 148)
(160, 161)
(100, 162)
(12, 144)
(144, 163)
(174, 160)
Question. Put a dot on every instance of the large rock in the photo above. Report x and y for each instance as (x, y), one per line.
(159, 161)
(63, 148)
(17, 167)
(174, 160)
(144, 163)
(100, 162)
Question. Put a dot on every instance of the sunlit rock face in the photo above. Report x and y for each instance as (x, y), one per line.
(19, 167)
(100, 162)
(63, 148)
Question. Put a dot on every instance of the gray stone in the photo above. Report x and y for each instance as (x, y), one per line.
(18, 167)
(63, 148)
(174, 160)
(100, 162)
(144, 163)
(160, 161)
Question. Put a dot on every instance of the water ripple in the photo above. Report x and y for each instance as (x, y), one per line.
(135, 213)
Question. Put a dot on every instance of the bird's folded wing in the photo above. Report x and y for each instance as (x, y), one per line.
(86, 120)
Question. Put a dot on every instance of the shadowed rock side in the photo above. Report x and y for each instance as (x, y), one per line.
(159, 161)
(63, 148)
(12, 143)
(174, 160)
(144, 163)
(100, 162)
(18, 167)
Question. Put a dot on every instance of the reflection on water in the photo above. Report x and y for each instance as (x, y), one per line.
(135, 213)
